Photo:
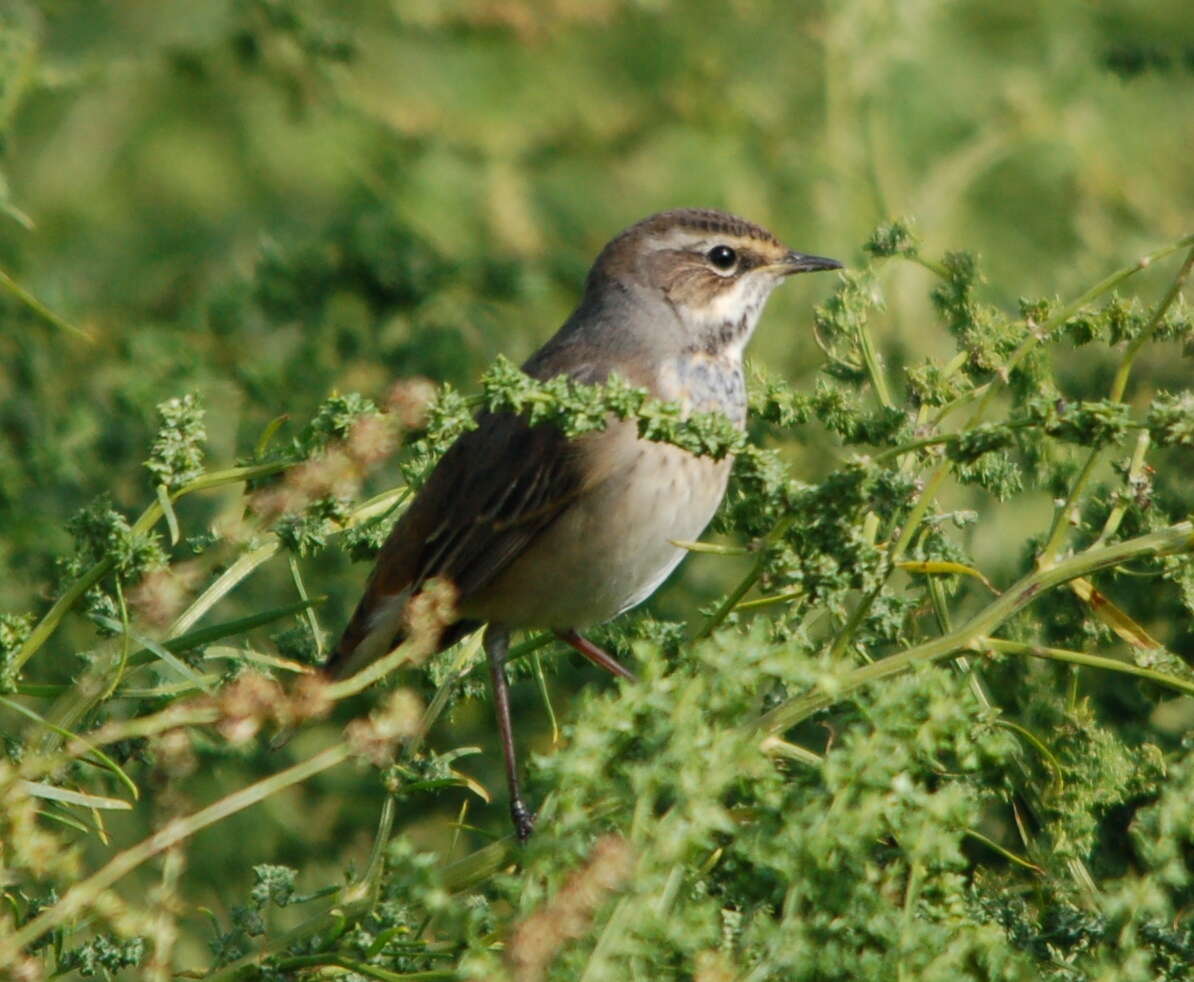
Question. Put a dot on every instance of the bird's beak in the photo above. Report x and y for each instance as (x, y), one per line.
(799, 262)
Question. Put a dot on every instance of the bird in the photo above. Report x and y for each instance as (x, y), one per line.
(533, 529)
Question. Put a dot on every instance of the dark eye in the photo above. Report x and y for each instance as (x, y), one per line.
(722, 256)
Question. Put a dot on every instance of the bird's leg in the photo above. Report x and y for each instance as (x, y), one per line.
(497, 643)
(596, 655)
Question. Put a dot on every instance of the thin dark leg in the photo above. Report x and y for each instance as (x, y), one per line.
(497, 641)
(601, 659)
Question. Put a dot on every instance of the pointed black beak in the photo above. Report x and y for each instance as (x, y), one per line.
(799, 262)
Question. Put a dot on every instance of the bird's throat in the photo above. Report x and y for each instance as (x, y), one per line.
(704, 382)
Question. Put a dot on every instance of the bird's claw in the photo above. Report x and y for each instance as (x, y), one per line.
(524, 821)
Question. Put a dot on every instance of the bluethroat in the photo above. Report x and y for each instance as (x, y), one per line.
(537, 530)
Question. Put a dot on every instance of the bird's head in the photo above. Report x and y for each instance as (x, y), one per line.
(711, 270)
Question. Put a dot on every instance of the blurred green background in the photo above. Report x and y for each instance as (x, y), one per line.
(263, 202)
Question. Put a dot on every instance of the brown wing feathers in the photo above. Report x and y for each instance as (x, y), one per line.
(494, 490)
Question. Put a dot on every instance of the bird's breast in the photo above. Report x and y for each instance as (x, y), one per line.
(704, 383)
(613, 546)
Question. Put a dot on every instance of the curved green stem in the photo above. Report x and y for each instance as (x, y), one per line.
(53, 617)
(1118, 386)
(29, 300)
(1120, 383)
(332, 960)
(83, 894)
(1069, 657)
(749, 580)
(972, 635)
(1035, 336)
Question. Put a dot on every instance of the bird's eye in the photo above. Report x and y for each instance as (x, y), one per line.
(722, 256)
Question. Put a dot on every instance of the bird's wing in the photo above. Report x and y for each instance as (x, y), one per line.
(501, 485)
(494, 490)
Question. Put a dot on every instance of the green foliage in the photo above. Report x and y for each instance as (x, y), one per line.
(577, 408)
(101, 532)
(923, 713)
(14, 632)
(677, 827)
(104, 956)
(1171, 420)
(892, 239)
(177, 454)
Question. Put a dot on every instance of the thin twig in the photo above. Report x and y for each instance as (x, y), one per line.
(83, 894)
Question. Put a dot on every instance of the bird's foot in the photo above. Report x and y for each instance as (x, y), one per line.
(524, 821)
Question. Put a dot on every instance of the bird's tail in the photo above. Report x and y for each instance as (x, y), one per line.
(374, 629)
(377, 628)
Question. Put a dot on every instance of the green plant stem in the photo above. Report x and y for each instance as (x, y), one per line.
(309, 612)
(1007, 854)
(529, 645)
(83, 894)
(773, 746)
(32, 767)
(1035, 336)
(1037, 744)
(478, 866)
(74, 593)
(916, 876)
(1066, 511)
(775, 598)
(247, 562)
(545, 695)
(871, 359)
(466, 658)
(217, 632)
(853, 622)
(1070, 657)
(1135, 470)
(241, 567)
(39, 308)
(163, 495)
(1119, 385)
(936, 440)
(181, 714)
(760, 564)
(370, 882)
(333, 960)
(460, 875)
(969, 637)
(409, 651)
